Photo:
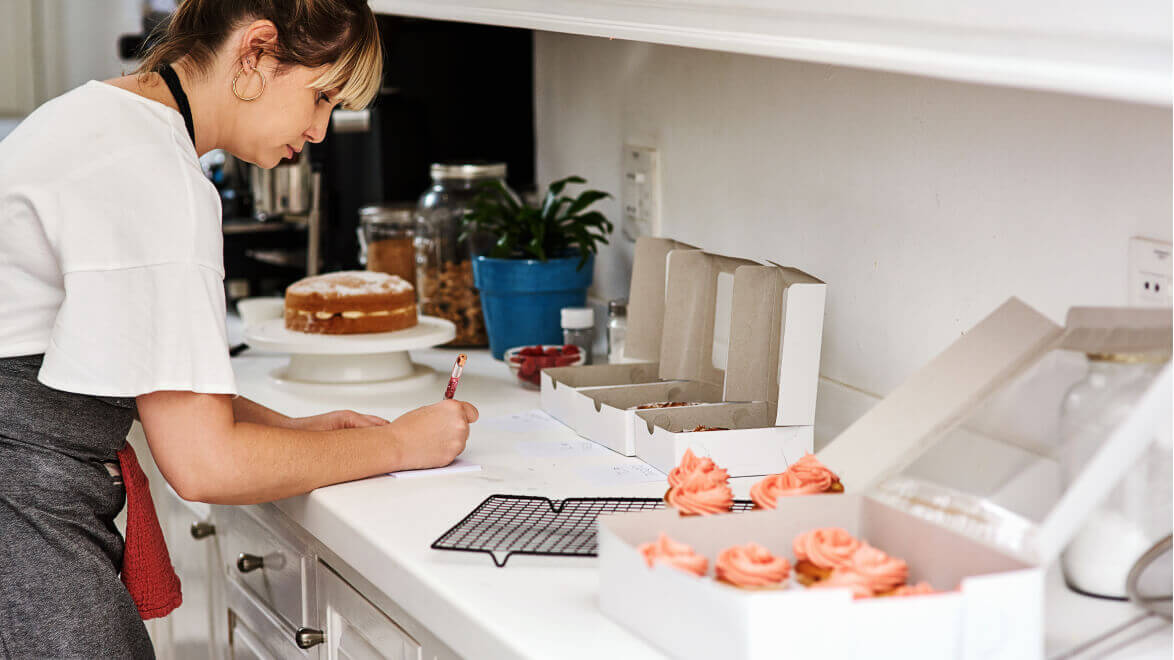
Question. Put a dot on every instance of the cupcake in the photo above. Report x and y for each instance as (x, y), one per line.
(810, 471)
(751, 566)
(701, 494)
(807, 476)
(869, 570)
(678, 555)
(821, 551)
(691, 463)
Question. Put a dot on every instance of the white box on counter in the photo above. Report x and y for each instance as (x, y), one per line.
(958, 472)
(561, 394)
(705, 326)
(771, 373)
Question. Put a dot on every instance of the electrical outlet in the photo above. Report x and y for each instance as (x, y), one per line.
(1150, 276)
(641, 192)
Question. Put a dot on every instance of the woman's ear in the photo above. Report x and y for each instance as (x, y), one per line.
(257, 40)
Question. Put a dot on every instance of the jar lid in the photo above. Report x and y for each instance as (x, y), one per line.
(618, 307)
(1130, 358)
(395, 213)
(468, 170)
(578, 318)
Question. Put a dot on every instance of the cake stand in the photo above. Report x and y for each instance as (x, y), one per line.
(376, 358)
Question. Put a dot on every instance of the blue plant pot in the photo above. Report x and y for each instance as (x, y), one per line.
(522, 298)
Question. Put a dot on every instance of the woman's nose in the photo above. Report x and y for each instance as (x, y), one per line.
(317, 131)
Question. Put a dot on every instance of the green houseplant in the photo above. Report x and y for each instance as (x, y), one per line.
(534, 260)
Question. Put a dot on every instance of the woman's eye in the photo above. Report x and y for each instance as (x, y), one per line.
(323, 97)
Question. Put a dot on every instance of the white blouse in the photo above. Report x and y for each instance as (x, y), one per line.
(111, 249)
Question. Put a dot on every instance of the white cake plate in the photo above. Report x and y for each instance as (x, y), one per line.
(376, 357)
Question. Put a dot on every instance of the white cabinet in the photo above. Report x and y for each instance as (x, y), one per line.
(1113, 50)
(355, 629)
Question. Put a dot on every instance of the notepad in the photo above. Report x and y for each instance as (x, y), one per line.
(456, 467)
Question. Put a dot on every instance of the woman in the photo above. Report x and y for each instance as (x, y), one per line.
(111, 302)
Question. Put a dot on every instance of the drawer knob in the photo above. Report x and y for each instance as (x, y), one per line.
(309, 638)
(201, 530)
(246, 562)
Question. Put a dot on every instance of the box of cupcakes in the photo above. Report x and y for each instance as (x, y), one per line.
(924, 529)
(721, 359)
(565, 389)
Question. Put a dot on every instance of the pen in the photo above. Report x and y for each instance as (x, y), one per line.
(455, 378)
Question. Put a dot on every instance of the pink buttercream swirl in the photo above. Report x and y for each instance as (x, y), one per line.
(810, 471)
(751, 565)
(919, 589)
(702, 493)
(869, 569)
(806, 476)
(691, 464)
(678, 555)
(844, 580)
(829, 547)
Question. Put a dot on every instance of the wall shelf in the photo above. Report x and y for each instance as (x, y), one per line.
(1084, 47)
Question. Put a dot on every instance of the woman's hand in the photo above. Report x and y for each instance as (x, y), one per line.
(433, 436)
(337, 419)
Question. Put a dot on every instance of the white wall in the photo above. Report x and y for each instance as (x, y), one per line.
(78, 41)
(922, 203)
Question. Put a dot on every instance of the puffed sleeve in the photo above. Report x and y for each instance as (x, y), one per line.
(141, 253)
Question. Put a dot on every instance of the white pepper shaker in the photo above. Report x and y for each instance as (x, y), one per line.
(579, 329)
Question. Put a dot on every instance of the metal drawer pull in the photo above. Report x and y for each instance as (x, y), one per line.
(202, 530)
(246, 562)
(308, 637)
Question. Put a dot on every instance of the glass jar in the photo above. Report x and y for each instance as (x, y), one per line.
(387, 239)
(444, 262)
(1137, 512)
(579, 329)
(617, 329)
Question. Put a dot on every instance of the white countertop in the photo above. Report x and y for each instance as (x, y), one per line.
(537, 607)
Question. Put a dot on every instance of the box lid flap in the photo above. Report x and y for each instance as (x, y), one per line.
(700, 317)
(972, 441)
(772, 309)
(647, 295)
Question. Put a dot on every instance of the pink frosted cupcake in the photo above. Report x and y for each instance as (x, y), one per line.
(751, 566)
(807, 476)
(701, 494)
(691, 464)
(678, 555)
(870, 570)
(820, 551)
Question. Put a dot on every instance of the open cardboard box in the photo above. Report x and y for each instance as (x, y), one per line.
(560, 395)
(771, 368)
(958, 471)
(718, 310)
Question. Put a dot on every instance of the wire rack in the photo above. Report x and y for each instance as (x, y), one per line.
(507, 525)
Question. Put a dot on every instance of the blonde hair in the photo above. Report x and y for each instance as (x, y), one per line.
(341, 35)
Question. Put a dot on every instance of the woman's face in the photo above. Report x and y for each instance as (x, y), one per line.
(286, 116)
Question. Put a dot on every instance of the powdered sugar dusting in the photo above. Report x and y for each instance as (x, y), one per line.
(350, 283)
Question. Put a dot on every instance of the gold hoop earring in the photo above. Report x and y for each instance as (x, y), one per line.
(255, 96)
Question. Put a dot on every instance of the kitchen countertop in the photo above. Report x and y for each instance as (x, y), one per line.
(539, 607)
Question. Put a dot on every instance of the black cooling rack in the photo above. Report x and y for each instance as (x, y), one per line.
(507, 525)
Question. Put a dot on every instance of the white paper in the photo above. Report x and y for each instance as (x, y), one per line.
(527, 421)
(458, 466)
(632, 473)
(561, 447)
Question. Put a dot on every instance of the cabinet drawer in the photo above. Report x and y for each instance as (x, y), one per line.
(255, 633)
(355, 628)
(269, 564)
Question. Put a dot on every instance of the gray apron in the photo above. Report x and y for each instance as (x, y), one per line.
(60, 553)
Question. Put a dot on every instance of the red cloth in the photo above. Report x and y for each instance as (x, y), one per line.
(146, 564)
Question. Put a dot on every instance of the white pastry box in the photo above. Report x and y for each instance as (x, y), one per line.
(958, 472)
(564, 389)
(771, 369)
(717, 309)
